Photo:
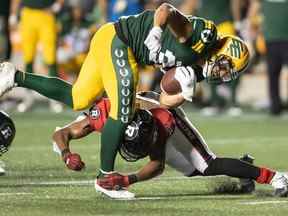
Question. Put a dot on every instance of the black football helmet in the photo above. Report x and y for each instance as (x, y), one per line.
(7, 132)
(140, 133)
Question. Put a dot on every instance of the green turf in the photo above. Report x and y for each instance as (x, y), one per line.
(29, 187)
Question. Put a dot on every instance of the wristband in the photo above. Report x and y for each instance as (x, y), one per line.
(64, 152)
(132, 178)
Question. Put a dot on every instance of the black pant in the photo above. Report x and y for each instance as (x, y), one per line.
(277, 56)
(7, 35)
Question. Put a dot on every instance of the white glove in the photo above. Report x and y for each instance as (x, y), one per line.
(207, 68)
(187, 80)
(153, 42)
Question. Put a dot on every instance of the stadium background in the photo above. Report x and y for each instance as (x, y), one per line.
(37, 182)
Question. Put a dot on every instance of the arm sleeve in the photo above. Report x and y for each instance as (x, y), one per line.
(98, 114)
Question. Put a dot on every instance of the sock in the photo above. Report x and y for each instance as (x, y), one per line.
(111, 137)
(265, 176)
(233, 168)
(29, 67)
(50, 87)
(52, 72)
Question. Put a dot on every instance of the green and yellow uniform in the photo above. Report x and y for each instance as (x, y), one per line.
(122, 44)
(37, 24)
(116, 51)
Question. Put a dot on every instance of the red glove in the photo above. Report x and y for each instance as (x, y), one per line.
(73, 161)
(114, 181)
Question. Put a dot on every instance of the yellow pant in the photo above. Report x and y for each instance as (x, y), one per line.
(110, 66)
(38, 26)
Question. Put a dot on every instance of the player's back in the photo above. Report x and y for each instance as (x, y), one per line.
(135, 29)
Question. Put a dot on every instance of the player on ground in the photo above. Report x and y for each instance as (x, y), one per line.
(164, 38)
(164, 136)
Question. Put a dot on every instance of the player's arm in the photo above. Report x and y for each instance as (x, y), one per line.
(166, 14)
(186, 77)
(14, 7)
(171, 101)
(75, 130)
(153, 168)
(236, 14)
(62, 137)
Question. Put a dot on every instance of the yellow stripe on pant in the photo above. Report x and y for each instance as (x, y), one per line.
(110, 65)
(38, 25)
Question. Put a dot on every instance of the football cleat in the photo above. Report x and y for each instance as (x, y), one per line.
(2, 170)
(247, 185)
(55, 106)
(280, 183)
(7, 75)
(120, 194)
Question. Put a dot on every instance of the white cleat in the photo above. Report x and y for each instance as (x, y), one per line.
(7, 76)
(2, 170)
(115, 194)
(280, 183)
(55, 106)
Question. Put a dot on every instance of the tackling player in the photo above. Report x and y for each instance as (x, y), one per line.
(166, 137)
(164, 38)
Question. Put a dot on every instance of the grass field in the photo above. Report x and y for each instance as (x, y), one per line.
(37, 182)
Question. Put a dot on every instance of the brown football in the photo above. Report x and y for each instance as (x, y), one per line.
(169, 84)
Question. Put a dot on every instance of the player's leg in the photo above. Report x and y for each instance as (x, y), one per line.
(176, 160)
(85, 90)
(209, 165)
(29, 37)
(120, 78)
(274, 63)
(48, 38)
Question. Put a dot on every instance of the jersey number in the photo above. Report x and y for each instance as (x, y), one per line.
(166, 59)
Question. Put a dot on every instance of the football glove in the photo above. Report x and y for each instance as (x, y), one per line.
(153, 42)
(187, 80)
(73, 161)
(113, 181)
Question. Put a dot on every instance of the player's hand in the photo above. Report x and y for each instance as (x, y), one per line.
(187, 80)
(73, 161)
(113, 181)
(153, 42)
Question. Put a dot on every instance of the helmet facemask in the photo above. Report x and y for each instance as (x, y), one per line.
(7, 132)
(219, 70)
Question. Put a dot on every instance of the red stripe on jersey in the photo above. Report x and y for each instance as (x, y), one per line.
(98, 114)
(165, 118)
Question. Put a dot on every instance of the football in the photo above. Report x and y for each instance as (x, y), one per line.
(169, 84)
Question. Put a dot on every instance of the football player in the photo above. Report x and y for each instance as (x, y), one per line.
(164, 38)
(7, 134)
(166, 137)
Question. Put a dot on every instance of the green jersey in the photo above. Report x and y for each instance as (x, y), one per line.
(136, 28)
(275, 20)
(37, 4)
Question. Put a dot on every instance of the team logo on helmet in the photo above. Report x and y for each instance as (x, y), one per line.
(95, 112)
(206, 35)
(132, 131)
(7, 132)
